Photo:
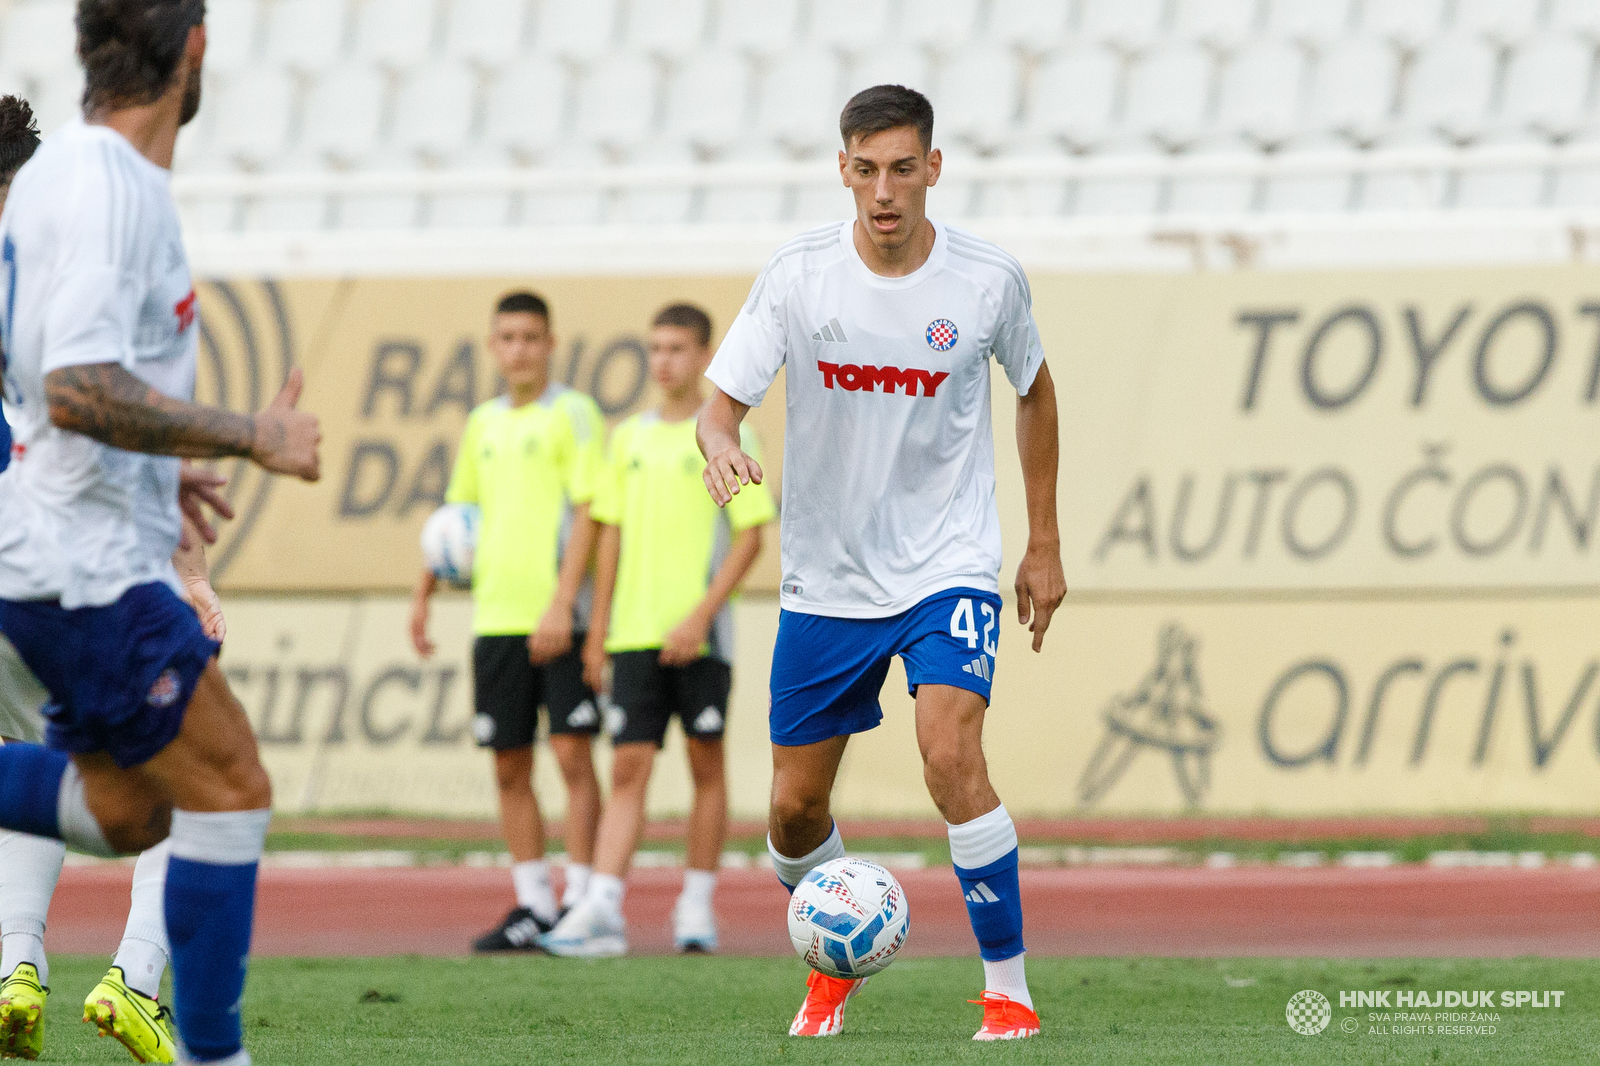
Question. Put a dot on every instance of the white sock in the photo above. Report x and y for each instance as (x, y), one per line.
(606, 892)
(986, 839)
(577, 883)
(144, 951)
(792, 871)
(531, 879)
(698, 885)
(1008, 979)
(29, 869)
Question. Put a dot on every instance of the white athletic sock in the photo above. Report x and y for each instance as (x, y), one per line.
(792, 871)
(144, 951)
(577, 883)
(606, 892)
(698, 885)
(531, 879)
(29, 869)
(986, 839)
(1008, 979)
(77, 822)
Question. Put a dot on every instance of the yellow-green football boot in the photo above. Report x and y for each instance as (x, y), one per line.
(136, 1021)
(22, 1013)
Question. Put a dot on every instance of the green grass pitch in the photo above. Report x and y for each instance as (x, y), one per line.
(713, 1011)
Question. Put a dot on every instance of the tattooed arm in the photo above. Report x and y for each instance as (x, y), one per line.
(106, 402)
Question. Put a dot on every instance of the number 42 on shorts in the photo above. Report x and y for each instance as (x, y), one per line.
(963, 626)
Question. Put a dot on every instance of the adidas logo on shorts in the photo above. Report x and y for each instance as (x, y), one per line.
(708, 721)
(979, 667)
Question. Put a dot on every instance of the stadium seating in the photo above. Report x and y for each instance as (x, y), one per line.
(1115, 106)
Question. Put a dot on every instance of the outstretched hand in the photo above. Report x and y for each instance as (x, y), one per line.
(198, 489)
(286, 440)
(1041, 586)
(726, 471)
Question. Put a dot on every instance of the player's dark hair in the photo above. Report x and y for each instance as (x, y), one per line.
(19, 135)
(686, 316)
(886, 107)
(523, 303)
(130, 49)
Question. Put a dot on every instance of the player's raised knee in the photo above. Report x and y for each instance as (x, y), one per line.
(132, 828)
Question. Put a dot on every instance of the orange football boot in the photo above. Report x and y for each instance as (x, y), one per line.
(1005, 1019)
(822, 1014)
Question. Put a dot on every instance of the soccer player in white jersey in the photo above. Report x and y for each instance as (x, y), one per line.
(97, 323)
(891, 536)
(124, 1004)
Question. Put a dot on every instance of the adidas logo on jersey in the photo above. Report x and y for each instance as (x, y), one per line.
(982, 893)
(980, 668)
(833, 333)
(854, 378)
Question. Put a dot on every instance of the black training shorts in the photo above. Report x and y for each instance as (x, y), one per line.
(646, 695)
(508, 691)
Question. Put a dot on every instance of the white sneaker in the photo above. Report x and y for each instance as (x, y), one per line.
(694, 928)
(587, 933)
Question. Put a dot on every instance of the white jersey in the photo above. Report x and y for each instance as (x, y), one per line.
(888, 459)
(92, 270)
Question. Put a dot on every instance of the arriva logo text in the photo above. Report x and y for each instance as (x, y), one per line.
(868, 378)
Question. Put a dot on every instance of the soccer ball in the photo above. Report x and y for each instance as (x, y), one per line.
(848, 918)
(448, 539)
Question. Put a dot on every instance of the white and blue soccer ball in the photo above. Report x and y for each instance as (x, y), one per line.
(848, 918)
(449, 538)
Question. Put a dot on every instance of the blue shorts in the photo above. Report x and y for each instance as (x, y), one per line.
(120, 677)
(827, 672)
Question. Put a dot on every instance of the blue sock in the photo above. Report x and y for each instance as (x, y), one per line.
(30, 787)
(210, 904)
(984, 853)
(994, 906)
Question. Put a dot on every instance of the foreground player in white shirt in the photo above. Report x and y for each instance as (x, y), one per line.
(97, 322)
(891, 537)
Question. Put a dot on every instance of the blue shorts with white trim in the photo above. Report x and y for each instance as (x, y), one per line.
(120, 676)
(827, 672)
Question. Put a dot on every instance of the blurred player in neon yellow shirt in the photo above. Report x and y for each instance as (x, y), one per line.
(669, 559)
(529, 460)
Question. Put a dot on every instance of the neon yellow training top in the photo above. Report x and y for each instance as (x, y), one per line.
(674, 538)
(526, 468)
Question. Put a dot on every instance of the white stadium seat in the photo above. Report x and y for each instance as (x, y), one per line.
(708, 102)
(527, 109)
(1546, 87)
(1073, 98)
(251, 115)
(757, 27)
(1127, 25)
(1353, 92)
(397, 34)
(233, 29)
(434, 112)
(1578, 17)
(307, 36)
(944, 27)
(617, 103)
(1035, 26)
(1406, 23)
(1219, 24)
(486, 32)
(1262, 94)
(1450, 88)
(578, 32)
(667, 29)
(852, 26)
(40, 39)
(978, 98)
(801, 97)
(1169, 96)
(342, 115)
(1502, 22)
(904, 65)
(1317, 23)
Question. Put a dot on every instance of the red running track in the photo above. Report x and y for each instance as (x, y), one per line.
(1333, 911)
